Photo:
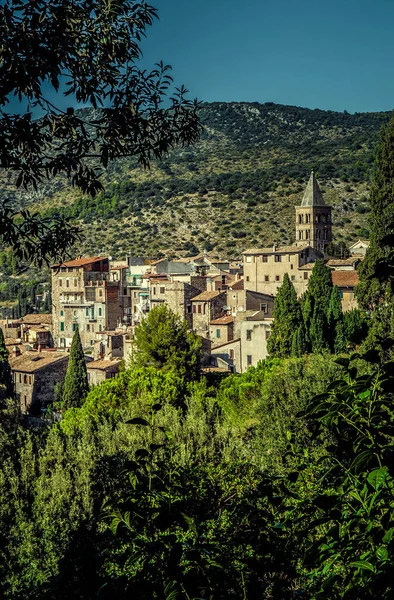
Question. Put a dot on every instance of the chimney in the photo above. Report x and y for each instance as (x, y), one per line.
(16, 351)
(273, 247)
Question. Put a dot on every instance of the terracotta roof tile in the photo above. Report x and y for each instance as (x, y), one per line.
(80, 262)
(29, 362)
(206, 296)
(237, 285)
(103, 365)
(222, 320)
(345, 278)
(37, 319)
(338, 262)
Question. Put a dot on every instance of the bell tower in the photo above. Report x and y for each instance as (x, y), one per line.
(313, 218)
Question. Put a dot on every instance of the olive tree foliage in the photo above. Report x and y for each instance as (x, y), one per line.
(87, 50)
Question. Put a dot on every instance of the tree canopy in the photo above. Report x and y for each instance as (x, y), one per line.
(86, 51)
(76, 385)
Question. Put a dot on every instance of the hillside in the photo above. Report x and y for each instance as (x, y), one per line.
(236, 188)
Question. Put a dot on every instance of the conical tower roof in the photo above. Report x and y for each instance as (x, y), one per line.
(312, 194)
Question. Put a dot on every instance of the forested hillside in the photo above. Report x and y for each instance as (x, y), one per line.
(237, 187)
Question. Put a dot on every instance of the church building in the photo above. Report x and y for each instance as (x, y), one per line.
(313, 218)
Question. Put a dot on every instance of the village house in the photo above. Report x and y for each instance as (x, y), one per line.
(177, 295)
(206, 307)
(221, 330)
(35, 375)
(255, 332)
(84, 296)
(345, 264)
(359, 247)
(227, 354)
(346, 282)
(101, 370)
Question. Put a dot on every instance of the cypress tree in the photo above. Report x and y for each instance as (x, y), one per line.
(370, 291)
(287, 318)
(318, 329)
(299, 345)
(316, 307)
(5, 370)
(335, 322)
(76, 385)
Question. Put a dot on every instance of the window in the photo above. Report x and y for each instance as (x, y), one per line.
(100, 327)
(75, 282)
(300, 235)
(63, 269)
(67, 283)
(249, 360)
(247, 277)
(267, 335)
(154, 291)
(135, 294)
(307, 218)
(199, 308)
(60, 282)
(61, 325)
(341, 294)
(231, 352)
(264, 307)
(266, 278)
(29, 379)
(300, 219)
(291, 266)
(307, 234)
(75, 325)
(62, 313)
(88, 327)
(265, 258)
(100, 292)
(277, 278)
(189, 308)
(20, 378)
(248, 335)
(218, 333)
(317, 218)
(325, 234)
(278, 258)
(87, 312)
(293, 277)
(92, 327)
(162, 290)
(25, 379)
(305, 274)
(248, 259)
(194, 308)
(100, 312)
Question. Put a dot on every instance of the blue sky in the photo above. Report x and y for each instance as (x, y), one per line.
(327, 54)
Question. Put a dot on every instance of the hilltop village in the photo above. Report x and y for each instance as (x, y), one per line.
(228, 303)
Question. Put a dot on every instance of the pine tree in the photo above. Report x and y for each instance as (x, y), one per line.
(287, 318)
(5, 370)
(370, 291)
(76, 385)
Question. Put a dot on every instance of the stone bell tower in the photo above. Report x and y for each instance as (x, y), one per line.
(313, 218)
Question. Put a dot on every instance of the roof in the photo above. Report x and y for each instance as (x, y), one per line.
(119, 267)
(277, 249)
(338, 262)
(80, 262)
(365, 242)
(345, 278)
(259, 315)
(206, 296)
(308, 267)
(103, 365)
(312, 195)
(29, 362)
(226, 320)
(37, 319)
(237, 285)
(229, 343)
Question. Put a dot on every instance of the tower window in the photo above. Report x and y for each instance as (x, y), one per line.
(317, 218)
(307, 218)
(300, 235)
(307, 234)
(278, 258)
(301, 219)
(265, 258)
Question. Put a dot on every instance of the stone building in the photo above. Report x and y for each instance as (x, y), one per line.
(100, 370)
(255, 332)
(359, 247)
(227, 354)
(206, 307)
(313, 218)
(221, 330)
(177, 295)
(35, 375)
(346, 282)
(239, 301)
(83, 295)
(264, 268)
(345, 264)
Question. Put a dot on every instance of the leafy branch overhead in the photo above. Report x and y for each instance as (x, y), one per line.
(88, 51)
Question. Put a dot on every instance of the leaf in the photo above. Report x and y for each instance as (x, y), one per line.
(388, 536)
(371, 356)
(363, 565)
(344, 362)
(137, 421)
(377, 477)
(382, 553)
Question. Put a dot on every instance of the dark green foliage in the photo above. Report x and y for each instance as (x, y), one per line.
(76, 385)
(356, 325)
(318, 330)
(299, 345)
(287, 319)
(316, 307)
(336, 322)
(164, 342)
(6, 383)
(372, 290)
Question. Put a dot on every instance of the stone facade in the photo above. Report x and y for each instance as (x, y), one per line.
(264, 268)
(229, 354)
(346, 282)
(206, 307)
(313, 218)
(255, 332)
(83, 295)
(35, 375)
(221, 330)
(100, 370)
